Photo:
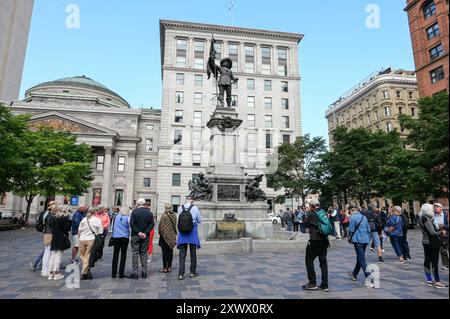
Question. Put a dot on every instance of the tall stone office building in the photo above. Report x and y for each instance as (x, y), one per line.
(267, 98)
(15, 20)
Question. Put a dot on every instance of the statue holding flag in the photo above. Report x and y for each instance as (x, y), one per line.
(226, 78)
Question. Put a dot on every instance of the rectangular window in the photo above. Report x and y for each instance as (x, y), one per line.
(251, 140)
(251, 84)
(234, 100)
(387, 111)
(413, 111)
(198, 118)
(176, 179)
(411, 95)
(429, 9)
(149, 144)
(199, 54)
(368, 118)
(433, 31)
(282, 62)
(147, 182)
(96, 196)
(176, 202)
(147, 163)
(181, 53)
(286, 139)
(150, 127)
(385, 94)
(398, 94)
(400, 110)
(389, 127)
(250, 101)
(180, 78)
(251, 161)
(197, 138)
(376, 115)
(285, 104)
(268, 141)
(118, 197)
(268, 121)
(196, 160)
(284, 86)
(178, 116)
(249, 59)
(251, 120)
(100, 163)
(436, 52)
(267, 85)
(267, 102)
(176, 159)
(198, 80)
(233, 54)
(178, 137)
(437, 74)
(266, 60)
(121, 164)
(198, 98)
(285, 122)
(179, 97)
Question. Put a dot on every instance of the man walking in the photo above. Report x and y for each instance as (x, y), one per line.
(317, 247)
(288, 219)
(76, 220)
(141, 224)
(375, 230)
(441, 221)
(359, 231)
(188, 220)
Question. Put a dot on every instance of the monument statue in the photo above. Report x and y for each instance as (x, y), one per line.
(226, 75)
(252, 190)
(200, 188)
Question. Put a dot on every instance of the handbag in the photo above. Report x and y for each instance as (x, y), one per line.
(98, 240)
(111, 240)
(67, 243)
(351, 236)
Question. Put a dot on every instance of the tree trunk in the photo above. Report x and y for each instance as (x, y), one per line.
(303, 199)
(29, 200)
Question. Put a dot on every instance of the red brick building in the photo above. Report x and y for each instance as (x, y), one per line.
(429, 27)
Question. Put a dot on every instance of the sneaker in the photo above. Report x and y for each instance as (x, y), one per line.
(32, 266)
(180, 277)
(439, 285)
(58, 276)
(310, 287)
(75, 261)
(372, 249)
(351, 276)
(400, 261)
(324, 289)
(45, 274)
(368, 284)
(430, 283)
(84, 277)
(192, 275)
(444, 268)
(383, 251)
(380, 260)
(50, 276)
(144, 275)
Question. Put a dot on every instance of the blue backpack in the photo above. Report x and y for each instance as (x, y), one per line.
(324, 225)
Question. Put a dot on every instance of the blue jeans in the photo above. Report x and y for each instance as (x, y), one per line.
(38, 259)
(289, 226)
(360, 250)
(396, 244)
(403, 241)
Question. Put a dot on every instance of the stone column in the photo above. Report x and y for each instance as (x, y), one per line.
(128, 200)
(106, 186)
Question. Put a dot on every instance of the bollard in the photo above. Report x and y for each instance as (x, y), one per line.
(247, 245)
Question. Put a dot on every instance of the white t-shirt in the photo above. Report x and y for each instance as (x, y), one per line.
(85, 232)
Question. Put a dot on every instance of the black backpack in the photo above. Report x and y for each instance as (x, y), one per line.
(185, 222)
(371, 219)
(40, 224)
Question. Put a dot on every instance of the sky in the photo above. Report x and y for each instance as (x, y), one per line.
(118, 44)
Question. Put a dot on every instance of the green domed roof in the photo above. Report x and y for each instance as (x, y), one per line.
(80, 82)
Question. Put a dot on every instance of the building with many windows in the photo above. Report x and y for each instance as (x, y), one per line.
(153, 154)
(429, 25)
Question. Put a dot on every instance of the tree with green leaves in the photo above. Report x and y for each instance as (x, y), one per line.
(53, 164)
(429, 137)
(295, 173)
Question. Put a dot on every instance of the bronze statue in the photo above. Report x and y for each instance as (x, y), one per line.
(200, 188)
(226, 75)
(252, 190)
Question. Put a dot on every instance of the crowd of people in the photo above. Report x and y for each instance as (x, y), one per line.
(370, 228)
(86, 231)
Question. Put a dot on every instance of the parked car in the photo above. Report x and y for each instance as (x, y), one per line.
(275, 219)
(10, 221)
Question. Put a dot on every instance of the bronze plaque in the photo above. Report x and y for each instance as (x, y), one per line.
(229, 192)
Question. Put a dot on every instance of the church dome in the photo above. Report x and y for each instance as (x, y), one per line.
(79, 86)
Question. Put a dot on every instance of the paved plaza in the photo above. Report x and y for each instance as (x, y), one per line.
(269, 275)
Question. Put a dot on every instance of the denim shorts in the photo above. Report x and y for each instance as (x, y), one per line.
(376, 239)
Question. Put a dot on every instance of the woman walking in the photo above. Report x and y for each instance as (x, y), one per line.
(430, 242)
(90, 227)
(167, 236)
(48, 234)
(394, 229)
(60, 242)
(121, 237)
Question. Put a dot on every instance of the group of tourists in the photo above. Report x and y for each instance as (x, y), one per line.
(369, 226)
(89, 229)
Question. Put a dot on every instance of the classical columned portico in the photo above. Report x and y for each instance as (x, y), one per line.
(107, 173)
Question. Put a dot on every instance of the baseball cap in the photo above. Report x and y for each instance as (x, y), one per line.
(438, 205)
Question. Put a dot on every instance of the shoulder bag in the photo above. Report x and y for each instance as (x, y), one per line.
(111, 240)
(350, 239)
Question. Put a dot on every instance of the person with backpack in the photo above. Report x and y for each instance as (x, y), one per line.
(167, 237)
(319, 229)
(188, 220)
(76, 220)
(90, 228)
(141, 224)
(359, 232)
(394, 230)
(430, 242)
(40, 227)
(375, 228)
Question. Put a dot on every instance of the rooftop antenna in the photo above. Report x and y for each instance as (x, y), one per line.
(230, 8)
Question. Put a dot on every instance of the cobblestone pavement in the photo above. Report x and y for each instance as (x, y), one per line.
(269, 275)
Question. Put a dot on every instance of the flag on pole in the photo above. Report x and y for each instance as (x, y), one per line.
(231, 5)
